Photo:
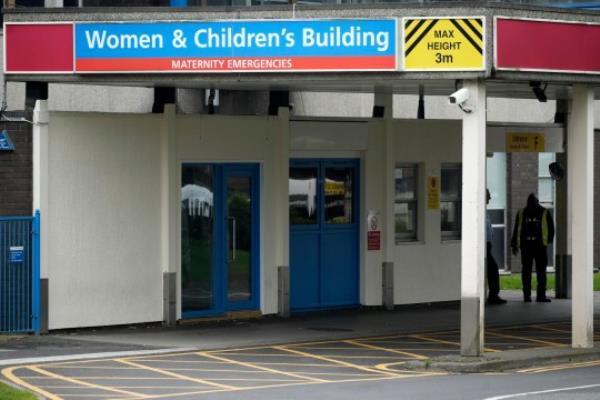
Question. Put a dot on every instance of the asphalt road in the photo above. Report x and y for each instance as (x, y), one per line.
(359, 368)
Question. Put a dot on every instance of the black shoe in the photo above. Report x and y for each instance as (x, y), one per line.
(496, 300)
(543, 300)
(527, 299)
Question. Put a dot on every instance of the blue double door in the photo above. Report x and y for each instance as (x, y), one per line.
(219, 238)
(324, 225)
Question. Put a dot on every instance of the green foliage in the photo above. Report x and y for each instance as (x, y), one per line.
(8, 393)
(513, 282)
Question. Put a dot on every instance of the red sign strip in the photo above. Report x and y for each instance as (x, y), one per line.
(234, 64)
(550, 46)
(40, 48)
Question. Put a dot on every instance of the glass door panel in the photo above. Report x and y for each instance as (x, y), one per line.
(239, 238)
(197, 222)
(338, 195)
(303, 196)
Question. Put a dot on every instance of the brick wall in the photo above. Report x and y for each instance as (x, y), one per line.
(522, 179)
(16, 171)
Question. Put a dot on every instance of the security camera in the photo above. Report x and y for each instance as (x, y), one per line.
(459, 97)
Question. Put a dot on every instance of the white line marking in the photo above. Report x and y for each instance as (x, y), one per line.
(512, 396)
(90, 356)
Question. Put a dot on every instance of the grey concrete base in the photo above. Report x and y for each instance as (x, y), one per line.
(388, 285)
(506, 360)
(44, 306)
(169, 300)
(470, 329)
(283, 291)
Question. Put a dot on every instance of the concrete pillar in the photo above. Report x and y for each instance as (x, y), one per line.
(581, 212)
(40, 198)
(384, 101)
(279, 203)
(169, 214)
(473, 221)
(562, 263)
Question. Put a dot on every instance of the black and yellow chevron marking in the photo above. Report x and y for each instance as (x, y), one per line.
(415, 30)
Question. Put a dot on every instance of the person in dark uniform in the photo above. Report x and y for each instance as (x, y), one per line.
(493, 276)
(533, 231)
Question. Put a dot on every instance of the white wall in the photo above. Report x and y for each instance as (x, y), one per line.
(427, 270)
(103, 219)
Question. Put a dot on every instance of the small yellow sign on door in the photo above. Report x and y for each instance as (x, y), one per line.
(433, 192)
(444, 44)
(525, 142)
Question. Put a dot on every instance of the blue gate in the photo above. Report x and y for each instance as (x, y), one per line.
(20, 274)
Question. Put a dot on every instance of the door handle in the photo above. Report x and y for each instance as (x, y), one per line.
(232, 239)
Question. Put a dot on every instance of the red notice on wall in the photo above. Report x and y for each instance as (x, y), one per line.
(534, 45)
(373, 240)
(38, 48)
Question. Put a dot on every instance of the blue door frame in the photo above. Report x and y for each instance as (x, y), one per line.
(324, 258)
(20, 274)
(221, 304)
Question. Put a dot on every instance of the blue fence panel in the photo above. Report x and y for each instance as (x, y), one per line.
(19, 274)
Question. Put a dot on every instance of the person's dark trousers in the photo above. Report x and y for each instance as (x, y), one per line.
(493, 276)
(528, 255)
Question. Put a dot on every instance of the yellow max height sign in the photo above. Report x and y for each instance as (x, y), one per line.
(444, 44)
(520, 142)
(433, 192)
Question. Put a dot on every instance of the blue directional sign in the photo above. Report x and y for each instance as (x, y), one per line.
(5, 143)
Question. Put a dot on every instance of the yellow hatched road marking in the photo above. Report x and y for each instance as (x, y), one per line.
(544, 342)
(8, 373)
(559, 367)
(380, 348)
(318, 357)
(430, 339)
(379, 378)
(260, 367)
(173, 374)
(41, 371)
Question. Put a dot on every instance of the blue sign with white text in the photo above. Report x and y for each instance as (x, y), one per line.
(222, 46)
(5, 142)
(16, 254)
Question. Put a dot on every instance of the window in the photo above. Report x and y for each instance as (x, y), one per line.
(405, 202)
(451, 201)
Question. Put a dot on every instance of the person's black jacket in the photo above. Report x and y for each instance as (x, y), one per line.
(532, 226)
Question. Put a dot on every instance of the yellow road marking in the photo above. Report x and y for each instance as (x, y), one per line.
(544, 342)
(41, 371)
(430, 339)
(323, 358)
(559, 367)
(54, 366)
(8, 373)
(173, 374)
(380, 348)
(324, 365)
(295, 356)
(547, 328)
(380, 378)
(181, 361)
(260, 367)
(109, 377)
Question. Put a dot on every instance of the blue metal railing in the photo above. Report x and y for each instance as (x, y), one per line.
(20, 274)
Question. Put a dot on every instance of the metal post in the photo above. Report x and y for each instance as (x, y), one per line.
(35, 273)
